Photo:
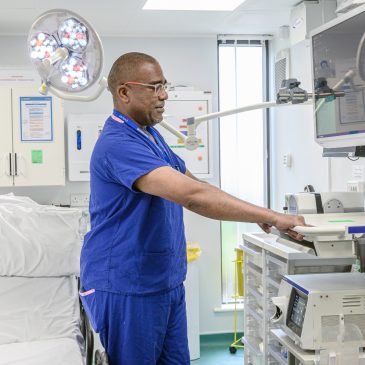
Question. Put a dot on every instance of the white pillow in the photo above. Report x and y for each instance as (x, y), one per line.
(38, 240)
(34, 309)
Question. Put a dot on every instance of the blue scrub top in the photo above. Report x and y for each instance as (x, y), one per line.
(136, 244)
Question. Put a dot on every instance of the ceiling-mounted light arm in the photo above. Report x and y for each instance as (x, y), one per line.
(103, 84)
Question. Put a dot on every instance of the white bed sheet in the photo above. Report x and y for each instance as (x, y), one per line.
(33, 309)
(63, 351)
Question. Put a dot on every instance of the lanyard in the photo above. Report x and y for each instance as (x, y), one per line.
(164, 152)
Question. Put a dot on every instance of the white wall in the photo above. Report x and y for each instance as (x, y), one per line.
(292, 132)
(189, 61)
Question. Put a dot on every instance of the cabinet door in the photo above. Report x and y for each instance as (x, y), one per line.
(5, 137)
(38, 138)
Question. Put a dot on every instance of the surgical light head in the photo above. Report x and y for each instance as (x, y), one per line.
(67, 53)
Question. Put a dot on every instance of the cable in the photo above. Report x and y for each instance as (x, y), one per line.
(352, 159)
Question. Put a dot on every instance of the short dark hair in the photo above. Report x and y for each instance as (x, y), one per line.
(126, 68)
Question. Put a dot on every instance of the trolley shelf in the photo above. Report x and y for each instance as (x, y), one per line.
(255, 293)
(254, 348)
(253, 313)
(277, 356)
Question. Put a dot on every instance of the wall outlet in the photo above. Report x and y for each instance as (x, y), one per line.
(356, 186)
(79, 200)
(287, 160)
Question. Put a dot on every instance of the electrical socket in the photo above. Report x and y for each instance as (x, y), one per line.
(79, 200)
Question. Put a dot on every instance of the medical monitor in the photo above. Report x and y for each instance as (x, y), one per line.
(338, 54)
(296, 311)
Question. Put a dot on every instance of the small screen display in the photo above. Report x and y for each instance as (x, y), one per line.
(298, 310)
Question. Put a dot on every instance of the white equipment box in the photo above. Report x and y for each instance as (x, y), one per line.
(83, 131)
(315, 309)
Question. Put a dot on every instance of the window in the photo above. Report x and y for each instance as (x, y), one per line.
(243, 147)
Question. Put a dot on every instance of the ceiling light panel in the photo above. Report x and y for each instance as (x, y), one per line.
(196, 5)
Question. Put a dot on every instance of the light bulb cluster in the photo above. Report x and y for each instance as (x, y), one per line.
(74, 73)
(73, 35)
(43, 46)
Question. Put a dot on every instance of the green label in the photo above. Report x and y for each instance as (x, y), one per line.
(341, 221)
(37, 156)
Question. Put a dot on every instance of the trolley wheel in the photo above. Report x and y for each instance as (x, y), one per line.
(232, 349)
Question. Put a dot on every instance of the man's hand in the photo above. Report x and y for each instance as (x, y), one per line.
(285, 223)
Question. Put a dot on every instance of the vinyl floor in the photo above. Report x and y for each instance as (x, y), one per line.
(214, 350)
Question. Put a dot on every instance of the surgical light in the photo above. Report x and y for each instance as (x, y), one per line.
(67, 53)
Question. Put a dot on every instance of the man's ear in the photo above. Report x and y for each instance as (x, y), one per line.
(123, 94)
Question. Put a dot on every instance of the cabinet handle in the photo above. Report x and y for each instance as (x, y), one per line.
(10, 165)
(16, 164)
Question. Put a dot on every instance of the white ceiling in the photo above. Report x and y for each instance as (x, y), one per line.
(126, 17)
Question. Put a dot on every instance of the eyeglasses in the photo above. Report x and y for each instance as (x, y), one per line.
(159, 88)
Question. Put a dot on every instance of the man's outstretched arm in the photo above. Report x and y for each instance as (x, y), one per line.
(211, 202)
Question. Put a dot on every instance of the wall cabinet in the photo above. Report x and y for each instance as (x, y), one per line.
(32, 151)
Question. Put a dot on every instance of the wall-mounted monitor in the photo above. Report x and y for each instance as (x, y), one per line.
(338, 54)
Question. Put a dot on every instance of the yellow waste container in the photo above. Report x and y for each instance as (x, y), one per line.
(193, 252)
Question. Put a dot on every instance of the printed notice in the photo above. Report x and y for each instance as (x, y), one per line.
(36, 119)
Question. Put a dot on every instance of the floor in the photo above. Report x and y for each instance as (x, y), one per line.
(214, 350)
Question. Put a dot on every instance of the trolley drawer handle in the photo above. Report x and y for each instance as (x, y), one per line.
(250, 251)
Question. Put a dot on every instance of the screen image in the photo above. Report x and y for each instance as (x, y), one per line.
(335, 53)
(296, 311)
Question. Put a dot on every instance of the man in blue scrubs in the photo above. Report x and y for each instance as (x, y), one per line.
(133, 261)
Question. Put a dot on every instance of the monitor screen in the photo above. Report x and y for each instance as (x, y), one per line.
(336, 51)
(296, 311)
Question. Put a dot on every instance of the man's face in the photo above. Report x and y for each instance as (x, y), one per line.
(145, 106)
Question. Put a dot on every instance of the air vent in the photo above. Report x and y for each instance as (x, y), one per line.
(355, 324)
(353, 301)
(281, 68)
(329, 328)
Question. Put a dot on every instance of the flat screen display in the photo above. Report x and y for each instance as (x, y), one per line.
(296, 312)
(335, 52)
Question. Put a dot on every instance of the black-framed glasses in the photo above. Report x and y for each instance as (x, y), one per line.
(159, 88)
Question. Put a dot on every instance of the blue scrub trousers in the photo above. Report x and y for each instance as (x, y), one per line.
(141, 330)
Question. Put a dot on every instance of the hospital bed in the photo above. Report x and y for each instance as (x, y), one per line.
(41, 322)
